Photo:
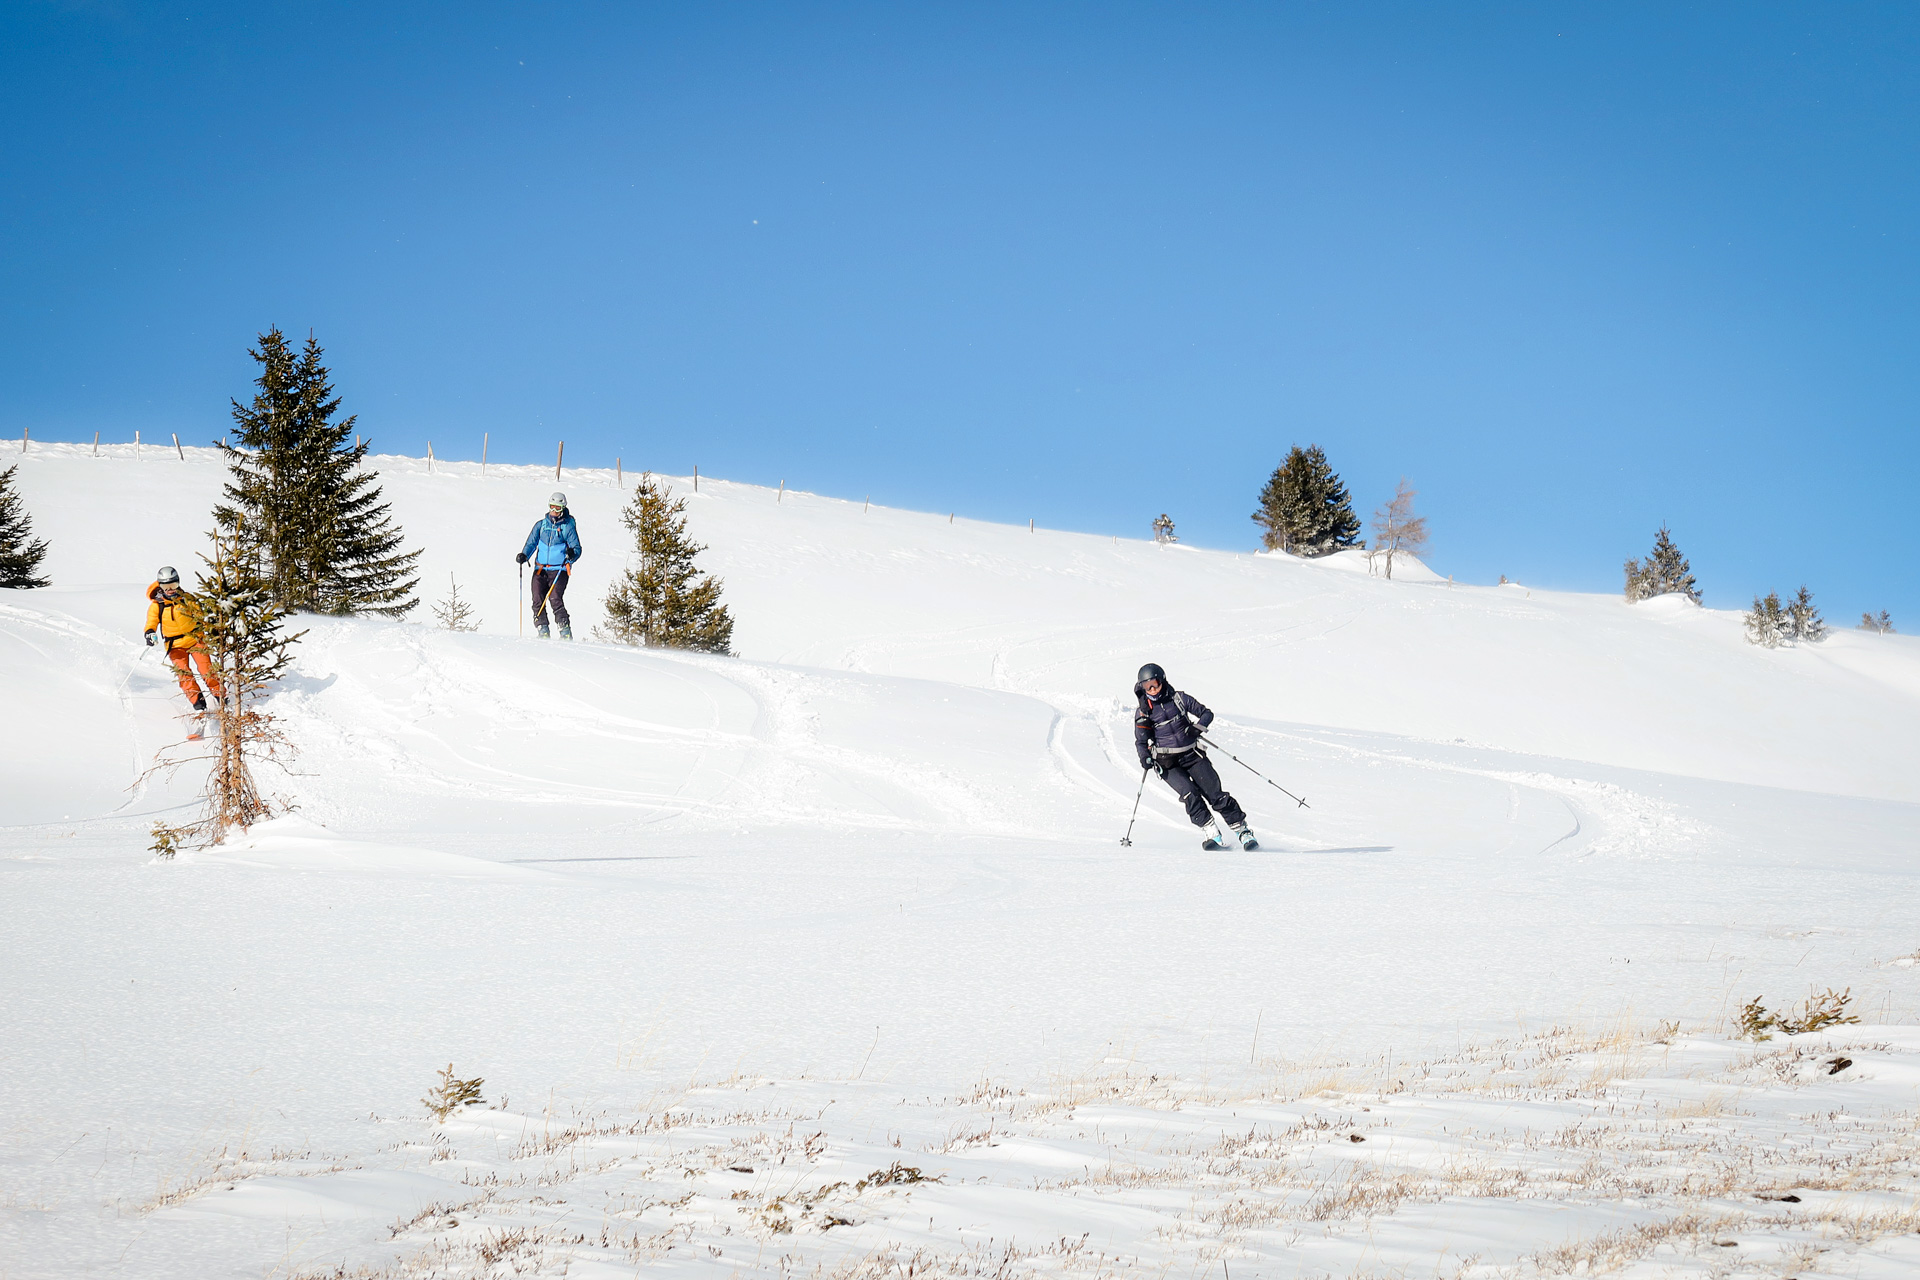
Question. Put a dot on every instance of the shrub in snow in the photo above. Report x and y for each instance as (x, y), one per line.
(1882, 624)
(452, 1093)
(1665, 572)
(300, 500)
(1828, 1009)
(1773, 623)
(453, 613)
(1305, 510)
(665, 603)
(20, 552)
(1397, 530)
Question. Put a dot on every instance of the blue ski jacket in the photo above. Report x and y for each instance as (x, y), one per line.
(552, 543)
(1168, 725)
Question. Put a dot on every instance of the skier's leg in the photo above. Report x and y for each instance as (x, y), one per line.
(1178, 779)
(178, 657)
(205, 664)
(1207, 779)
(542, 582)
(560, 614)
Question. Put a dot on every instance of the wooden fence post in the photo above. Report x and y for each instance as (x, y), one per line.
(176, 447)
(483, 451)
(96, 444)
(696, 477)
(619, 482)
(782, 497)
(559, 458)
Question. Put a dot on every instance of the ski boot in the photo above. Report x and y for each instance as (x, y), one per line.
(541, 629)
(566, 631)
(1213, 841)
(1245, 833)
(200, 703)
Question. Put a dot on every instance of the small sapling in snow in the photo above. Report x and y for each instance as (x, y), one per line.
(451, 1094)
(453, 613)
(1827, 1009)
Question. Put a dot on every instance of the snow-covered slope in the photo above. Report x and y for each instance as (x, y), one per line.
(881, 847)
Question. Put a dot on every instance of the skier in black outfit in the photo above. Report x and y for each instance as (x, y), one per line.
(1166, 733)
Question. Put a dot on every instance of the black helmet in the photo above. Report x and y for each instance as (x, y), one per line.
(167, 576)
(1152, 671)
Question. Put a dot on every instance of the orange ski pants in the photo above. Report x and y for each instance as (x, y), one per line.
(197, 652)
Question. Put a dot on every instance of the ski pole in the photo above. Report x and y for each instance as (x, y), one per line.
(521, 596)
(1255, 772)
(1127, 839)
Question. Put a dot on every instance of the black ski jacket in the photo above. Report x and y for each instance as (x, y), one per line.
(1168, 725)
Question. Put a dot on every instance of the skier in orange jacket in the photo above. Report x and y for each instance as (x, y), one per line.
(173, 613)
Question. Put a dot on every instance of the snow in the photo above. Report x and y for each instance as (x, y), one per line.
(684, 913)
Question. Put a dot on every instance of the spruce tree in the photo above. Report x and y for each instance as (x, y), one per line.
(1664, 572)
(20, 552)
(301, 501)
(1305, 509)
(1804, 624)
(665, 603)
(1882, 624)
(1766, 622)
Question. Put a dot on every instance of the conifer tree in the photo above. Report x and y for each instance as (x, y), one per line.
(1766, 622)
(1305, 509)
(665, 603)
(244, 629)
(1882, 624)
(247, 645)
(20, 552)
(1804, 624)
(1665, 572)
(311, 514)
(453, 613)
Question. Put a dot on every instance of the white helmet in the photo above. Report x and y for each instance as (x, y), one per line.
(557, 499)
(167, 575)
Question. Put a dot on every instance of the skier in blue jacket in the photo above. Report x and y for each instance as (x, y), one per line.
(553, 546)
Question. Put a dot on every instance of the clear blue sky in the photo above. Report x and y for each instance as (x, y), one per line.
(1573, 270)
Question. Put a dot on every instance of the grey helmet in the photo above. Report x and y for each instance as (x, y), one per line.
(167, 576)
(557, 499)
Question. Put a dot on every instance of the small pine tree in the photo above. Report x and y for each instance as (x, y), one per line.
(243, 627)
(1305, 509)
(1804, 625)
(1882, 624)
(1665, 572)
(313, 514)
(1397, 530)
(1766, 622)
(453, 613)
(666, 603)
(20, 552)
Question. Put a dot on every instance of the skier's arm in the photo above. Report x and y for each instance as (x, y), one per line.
(153, 615)
(1142, 732)
(533, 540)
(1192, 706)
(573, 543)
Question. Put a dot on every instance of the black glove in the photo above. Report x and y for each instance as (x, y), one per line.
(520, 558)
(149, 639)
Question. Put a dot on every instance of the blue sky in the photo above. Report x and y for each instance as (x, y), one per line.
(1572, 270)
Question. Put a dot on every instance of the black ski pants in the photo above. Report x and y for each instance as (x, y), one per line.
(1194, 778)
(554, 581)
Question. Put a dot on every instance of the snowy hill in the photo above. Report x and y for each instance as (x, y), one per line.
(876, 857)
